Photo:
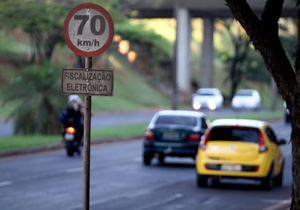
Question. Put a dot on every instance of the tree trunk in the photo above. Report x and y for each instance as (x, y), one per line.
(51, 42)
(296, 159)
(264, 36)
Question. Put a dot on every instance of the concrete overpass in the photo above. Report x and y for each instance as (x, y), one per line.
(185, 10)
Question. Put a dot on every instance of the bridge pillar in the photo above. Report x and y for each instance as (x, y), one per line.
(207, 57)
(183, 68)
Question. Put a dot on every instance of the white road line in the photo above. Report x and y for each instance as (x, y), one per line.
(280, 204)
(137, 159)
(74, 170)
(157, 204)
(135, 193)
(5, 183)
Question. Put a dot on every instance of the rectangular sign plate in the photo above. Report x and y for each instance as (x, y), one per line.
(87, 82)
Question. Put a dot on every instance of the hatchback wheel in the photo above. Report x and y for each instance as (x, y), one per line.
(277, 181)
(201, 180)
(267, 182)
(147, 158)
(215, 180)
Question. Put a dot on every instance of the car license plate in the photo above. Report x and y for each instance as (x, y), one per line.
(227, 167)
(69, 137)
(171, 136)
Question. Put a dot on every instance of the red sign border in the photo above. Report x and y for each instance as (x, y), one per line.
(110, 25)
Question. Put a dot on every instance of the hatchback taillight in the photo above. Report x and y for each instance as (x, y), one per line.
(194, 136)
(262, 143)
(149, 135)
(70, 130)
(204, 141)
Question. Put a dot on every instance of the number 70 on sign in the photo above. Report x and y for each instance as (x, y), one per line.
(88, 30)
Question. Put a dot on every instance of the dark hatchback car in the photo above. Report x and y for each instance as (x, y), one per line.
(173, 133)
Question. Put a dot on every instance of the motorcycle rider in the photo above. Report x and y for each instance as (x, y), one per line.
(73, 115)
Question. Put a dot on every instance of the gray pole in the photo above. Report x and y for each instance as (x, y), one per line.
(207, 54)
(174, 64)
(87, 143)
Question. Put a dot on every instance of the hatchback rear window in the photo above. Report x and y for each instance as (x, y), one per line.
(241, 134)
(176, 120)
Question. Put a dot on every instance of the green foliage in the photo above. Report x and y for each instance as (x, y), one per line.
(255, 69)
(288, 37)
(160, 48)
(242, 62)
(43, 21)
(38, 95)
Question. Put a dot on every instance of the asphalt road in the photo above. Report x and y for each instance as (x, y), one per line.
(119, 181)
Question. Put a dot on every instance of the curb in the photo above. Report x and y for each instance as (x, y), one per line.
(59, 146)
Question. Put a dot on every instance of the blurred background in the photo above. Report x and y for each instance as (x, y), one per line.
(165, 54)
(142, 55)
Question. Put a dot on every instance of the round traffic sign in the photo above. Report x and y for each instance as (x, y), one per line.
(88, 30)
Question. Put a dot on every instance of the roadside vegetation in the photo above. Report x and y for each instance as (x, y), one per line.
(29, 141)
(111, 133)
(37, 54)
(141, 82)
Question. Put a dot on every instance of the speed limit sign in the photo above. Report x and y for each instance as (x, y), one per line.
(88, 30)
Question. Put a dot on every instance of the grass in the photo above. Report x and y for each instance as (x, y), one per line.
(119, 131)
(29, 141)
(18, 142)
(131, 91)
(254, 115)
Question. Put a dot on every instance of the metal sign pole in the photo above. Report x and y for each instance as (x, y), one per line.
(87, 143)
(94, 41)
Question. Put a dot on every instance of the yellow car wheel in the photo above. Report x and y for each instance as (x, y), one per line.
(267, 182)
(201, 180)
(277, 181)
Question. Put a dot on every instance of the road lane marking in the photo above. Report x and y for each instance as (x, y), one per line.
(159, 203)
(5, 183)
(136, 193)
(74, 170)
(280, 204)
(137, 159)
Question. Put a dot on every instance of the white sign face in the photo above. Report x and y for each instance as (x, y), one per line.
(91, 82)
(88, 30)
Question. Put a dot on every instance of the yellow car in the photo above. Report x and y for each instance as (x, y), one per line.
(236, 148)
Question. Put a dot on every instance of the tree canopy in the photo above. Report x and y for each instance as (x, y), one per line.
(43, 21)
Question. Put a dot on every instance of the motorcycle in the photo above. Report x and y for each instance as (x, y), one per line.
(73, 140)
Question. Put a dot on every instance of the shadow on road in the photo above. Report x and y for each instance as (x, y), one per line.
(175, 163)
(239, 184)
